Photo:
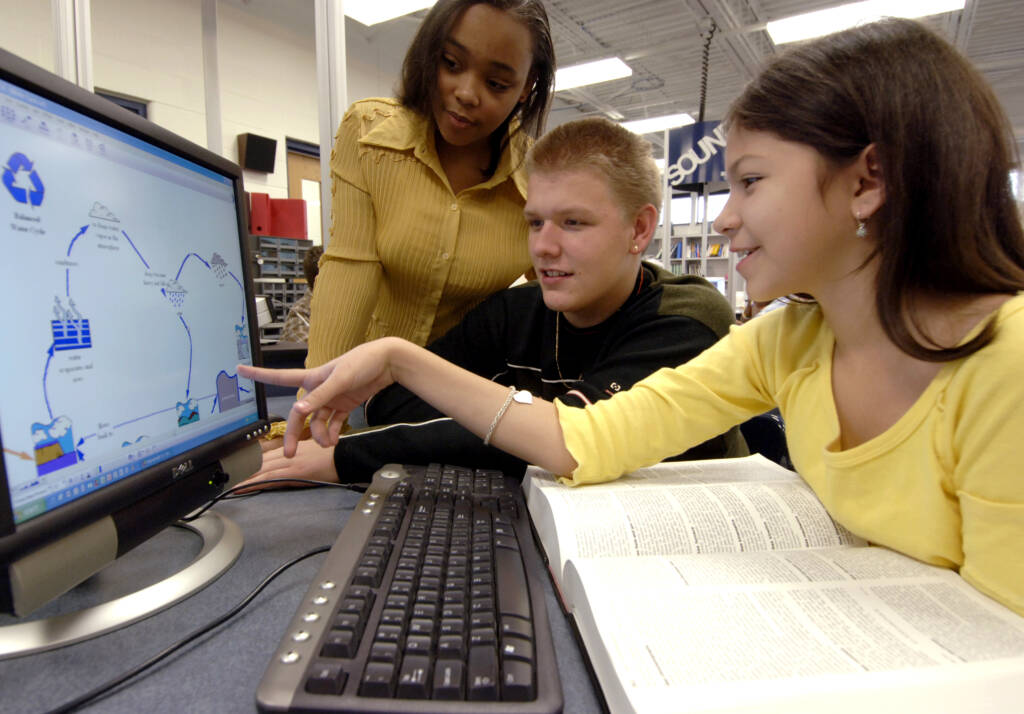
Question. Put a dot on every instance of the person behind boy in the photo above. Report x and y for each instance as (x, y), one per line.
(296, 325)
(596, 320)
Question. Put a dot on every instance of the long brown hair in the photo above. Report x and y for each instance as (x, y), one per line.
(949, 224)
(418, 85)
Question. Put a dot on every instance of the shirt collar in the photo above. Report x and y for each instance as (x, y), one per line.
(407, 130)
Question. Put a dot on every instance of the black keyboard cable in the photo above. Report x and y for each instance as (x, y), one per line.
(120, 679)
(232, 493)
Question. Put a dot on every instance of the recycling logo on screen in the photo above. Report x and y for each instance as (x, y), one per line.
(22, 181)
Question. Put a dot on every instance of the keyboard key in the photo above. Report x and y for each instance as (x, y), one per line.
(425, 610)
(359, 591)
(418, 644)
(389, 633)
(404, 575)
(516, 648)
(326, 679)
(379, 551)
(482, 619)
(513, 594)
(378, 680)
(360, 607)
(453, 626)
(482, 673)
(517, 681)
(421, 626)
(397, 602)
(482, 636)
(339, 643)
(454, 597)
(512, 625)
(482, 604)
(448, 679)
(413, 677)
(392, 616)
(367, 576)
(384, 652)
(506, 542)
(348, 621)
(451, 646)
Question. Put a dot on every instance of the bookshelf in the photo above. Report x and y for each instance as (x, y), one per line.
(278, 272)
(693, 247)
(279, 276)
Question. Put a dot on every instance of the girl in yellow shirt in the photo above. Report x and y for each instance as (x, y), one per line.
(427, 189)
(869, 173)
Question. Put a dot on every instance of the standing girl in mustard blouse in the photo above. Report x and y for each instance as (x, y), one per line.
(427, 189)
(869, 172)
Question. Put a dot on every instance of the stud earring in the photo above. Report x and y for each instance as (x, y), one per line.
(634, 248)
(862, 230)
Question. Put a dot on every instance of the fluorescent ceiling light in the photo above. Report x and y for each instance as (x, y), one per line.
(591, 73)
(649, 126)
(370, 12)
(842, 17)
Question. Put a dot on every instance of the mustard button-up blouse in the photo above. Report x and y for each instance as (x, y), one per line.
(407, 256)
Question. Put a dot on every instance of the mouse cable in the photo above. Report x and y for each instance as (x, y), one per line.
(120, 679)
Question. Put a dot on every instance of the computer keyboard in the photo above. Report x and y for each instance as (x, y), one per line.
(429, 601)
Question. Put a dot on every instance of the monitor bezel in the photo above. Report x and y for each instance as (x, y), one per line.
(16, 540)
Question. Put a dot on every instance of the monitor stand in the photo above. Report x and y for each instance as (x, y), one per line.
(222, 543)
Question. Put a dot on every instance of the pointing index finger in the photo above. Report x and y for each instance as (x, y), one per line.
(282, 377)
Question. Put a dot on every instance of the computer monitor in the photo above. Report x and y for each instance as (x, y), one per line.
(128, 306)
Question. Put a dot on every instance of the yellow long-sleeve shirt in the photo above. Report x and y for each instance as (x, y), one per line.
(944, 484)
(407, 257)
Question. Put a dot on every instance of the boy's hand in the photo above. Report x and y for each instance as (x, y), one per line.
(311, 462)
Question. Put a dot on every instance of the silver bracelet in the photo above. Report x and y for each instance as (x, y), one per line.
(499, 415)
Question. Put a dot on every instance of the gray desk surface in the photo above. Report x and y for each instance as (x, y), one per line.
(220, 671)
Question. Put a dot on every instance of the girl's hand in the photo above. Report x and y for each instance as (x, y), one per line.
(332, 390)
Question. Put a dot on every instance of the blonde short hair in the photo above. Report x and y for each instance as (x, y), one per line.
(597, 144)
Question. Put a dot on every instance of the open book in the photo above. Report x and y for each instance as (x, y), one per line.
(724, 586)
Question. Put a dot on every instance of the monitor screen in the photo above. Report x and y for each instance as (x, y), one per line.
(127, 308)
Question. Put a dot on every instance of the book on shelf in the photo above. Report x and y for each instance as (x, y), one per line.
(677, 251)
(716, 250)
(724, 586)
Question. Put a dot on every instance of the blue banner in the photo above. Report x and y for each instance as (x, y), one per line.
(696, 154)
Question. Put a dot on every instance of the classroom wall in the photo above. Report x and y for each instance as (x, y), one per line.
(151, 50)
(26, 30)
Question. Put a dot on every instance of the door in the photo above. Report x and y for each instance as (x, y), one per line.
(304, 182)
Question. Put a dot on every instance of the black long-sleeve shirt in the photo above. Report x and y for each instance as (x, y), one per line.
(512, 338)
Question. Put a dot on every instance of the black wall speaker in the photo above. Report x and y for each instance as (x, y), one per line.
(256, 152)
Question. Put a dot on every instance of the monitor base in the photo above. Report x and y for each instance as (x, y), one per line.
(222, 544)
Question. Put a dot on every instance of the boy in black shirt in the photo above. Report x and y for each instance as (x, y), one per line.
(595, 321)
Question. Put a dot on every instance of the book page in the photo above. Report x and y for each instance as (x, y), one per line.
(745, 468)
(724, 506)
(780, 631)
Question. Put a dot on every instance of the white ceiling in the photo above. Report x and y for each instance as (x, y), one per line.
(663, 41)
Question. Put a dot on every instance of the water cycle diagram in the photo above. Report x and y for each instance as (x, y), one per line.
(132, 328)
